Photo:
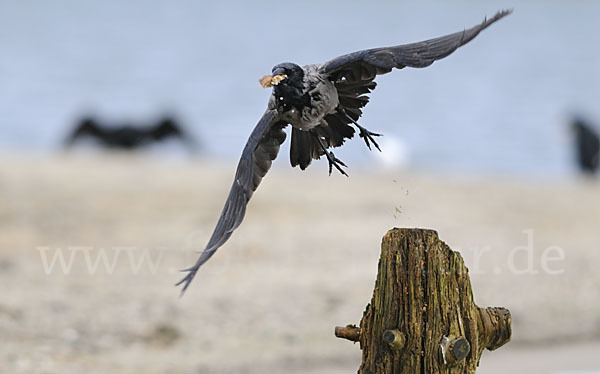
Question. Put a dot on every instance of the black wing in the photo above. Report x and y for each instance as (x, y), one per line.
(86, 127)
(169, 127)
(364, 65)
(353, 76)
(260, 150)
(165, 128)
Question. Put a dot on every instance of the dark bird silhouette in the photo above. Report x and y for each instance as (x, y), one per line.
(587, 146)
(129, 137)
(321, 102)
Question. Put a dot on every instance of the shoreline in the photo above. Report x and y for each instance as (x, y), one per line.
(279, 270)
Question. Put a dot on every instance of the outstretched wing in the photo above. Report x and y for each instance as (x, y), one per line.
(365, 65)
(165, 128)
(353, 76)
(170, 127)
(86, 127)
(260, 150)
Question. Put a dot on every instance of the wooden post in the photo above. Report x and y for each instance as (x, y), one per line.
(422, 317)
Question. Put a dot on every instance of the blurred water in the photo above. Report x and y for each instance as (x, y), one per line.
(497, 106)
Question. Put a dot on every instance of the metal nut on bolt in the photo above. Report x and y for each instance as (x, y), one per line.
(395, 339)
(455, 349)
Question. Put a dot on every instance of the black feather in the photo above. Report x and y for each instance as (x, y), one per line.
(301, 148)
(257, 156)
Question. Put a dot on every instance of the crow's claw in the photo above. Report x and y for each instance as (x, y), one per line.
(334, 161)
(364, 133)
(368, 136)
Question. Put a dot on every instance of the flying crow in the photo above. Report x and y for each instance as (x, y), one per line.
(321, 102)
(128, 137)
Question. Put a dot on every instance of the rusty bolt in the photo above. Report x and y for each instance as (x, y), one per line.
(395, 339)
(455, 349)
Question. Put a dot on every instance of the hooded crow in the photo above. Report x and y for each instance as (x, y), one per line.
(129, 137)
(321, 102)
(587, 146)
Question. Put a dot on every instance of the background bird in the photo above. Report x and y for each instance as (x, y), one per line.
(129, 137)
(321, 102)
(587, 146)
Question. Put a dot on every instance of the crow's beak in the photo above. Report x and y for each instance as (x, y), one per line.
(271, 80)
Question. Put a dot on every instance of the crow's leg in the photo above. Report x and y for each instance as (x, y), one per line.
(333, 161)
(368, 136)
(364, 133)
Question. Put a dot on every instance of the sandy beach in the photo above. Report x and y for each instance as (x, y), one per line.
(303, 261)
